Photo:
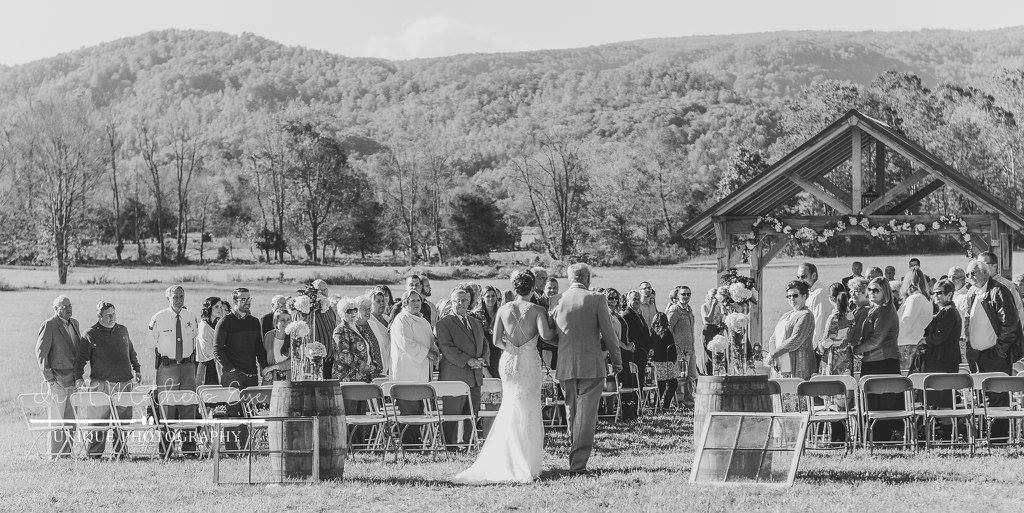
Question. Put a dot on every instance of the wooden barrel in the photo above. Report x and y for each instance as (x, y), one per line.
(729, 393)
(320, 399)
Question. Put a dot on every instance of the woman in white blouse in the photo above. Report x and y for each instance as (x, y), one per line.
(412, 341)
(915, 313)
(378, 321)
(207, 369)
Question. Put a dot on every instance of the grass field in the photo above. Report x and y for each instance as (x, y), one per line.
(634, 468)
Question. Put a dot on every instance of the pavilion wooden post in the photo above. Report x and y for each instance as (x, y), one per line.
(767, 247)
(1001, 236)
(723, 249)
(856, 174)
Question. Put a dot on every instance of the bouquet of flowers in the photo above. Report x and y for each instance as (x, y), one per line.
(308, 352)
(719, 346)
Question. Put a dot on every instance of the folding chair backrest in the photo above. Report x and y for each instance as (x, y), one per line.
(146, 389)
(385, 387)
(774, 388)
(219, 395)
(886, 385)
(255, 399)
(90, 405)
(491, 386)
(917, 378)
(821, 388)
(361, 392)
(1020, 373)
(787, 385)
(412, 392)
(177, 398)
(450, 388)
(139, 402)
(979, 377)
(379, 381)
(633, 369)
(997, 384)
(951, 381)
(35, 407)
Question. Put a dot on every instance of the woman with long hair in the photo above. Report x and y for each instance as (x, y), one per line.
(791, 345)
(378, 323)
(836, 351)
(663, 357)
(207, 368)
(277, 345)
(485, 312)
(878, 344)
(915, 312)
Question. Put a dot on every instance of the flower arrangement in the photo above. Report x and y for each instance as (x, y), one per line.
(304, 304)
(316, 350)
(842, 223)
(737, 322)
(719, 344)
(297, 329)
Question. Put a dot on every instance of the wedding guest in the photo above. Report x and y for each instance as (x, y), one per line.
(879, 347)
(550, 288)
(413, 283)
(860, 306)
(378, 322)
(639, 333)
(464, 354)
(241, 354)
(207, 371)
(627, 350)
(990, 260)
(174, 331)
(412, 352)
(1018, 281)
(267, 321)
(540, 275)
(837, 355)
(57, 353)
(914, 313)
(277, 345)
(412, 341)
(817, 303)
(324, 322)
(425, 289)
(856, 270)
(961, 300)
(113, 367)
(791, 346)
(680, 322)
(876, 272)
(485, 313)
(711, 313)
(993, 331)
(647, 308)
(664, 359)
(363, 326)
(390, 299)
(351, 347)
(940, 348)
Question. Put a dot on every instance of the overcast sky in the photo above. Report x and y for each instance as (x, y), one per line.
(31, 30)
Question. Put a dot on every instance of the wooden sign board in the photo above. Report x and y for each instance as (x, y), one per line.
(739, 447)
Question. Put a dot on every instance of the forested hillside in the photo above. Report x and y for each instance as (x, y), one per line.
(603, 151)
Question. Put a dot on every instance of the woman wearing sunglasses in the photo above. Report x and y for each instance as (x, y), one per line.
(353, 359)
(879, 347)
(791, 346)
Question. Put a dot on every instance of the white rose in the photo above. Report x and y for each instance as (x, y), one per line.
(936, 225)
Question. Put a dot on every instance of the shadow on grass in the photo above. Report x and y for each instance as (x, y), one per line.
(888, 476)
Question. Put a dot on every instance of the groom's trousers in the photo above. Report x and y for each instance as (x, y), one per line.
(582, 398)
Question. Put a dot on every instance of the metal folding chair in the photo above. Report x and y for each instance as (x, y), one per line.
(610, 392)
(139, 427)
(381, 436)
(428, 422)
(92, 417)
(256, 404)
(787, 387)
(553, 410)
(871, 385)
(834, 407)
(174, 427)
(459, 389)
(936, 384)
(1013, 414)
(649, 390)
(35, 410)
(853, 399)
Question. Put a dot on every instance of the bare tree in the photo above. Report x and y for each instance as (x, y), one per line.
(113, 144)
(60, 140)
(150, 147)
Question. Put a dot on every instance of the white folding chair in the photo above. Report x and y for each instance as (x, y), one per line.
(380, 438)
(139, 426)
(453, 390)
(553, 409)
(938, 384)
(853, 395)
(1013, 414)
(610, 392)
(871, 385)
(834, 407)
(787, 387)
(428, 422)
(175, 428)
(649, 390)
(35, 410)
(92, 417)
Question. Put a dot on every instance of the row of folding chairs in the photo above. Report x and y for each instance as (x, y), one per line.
(646, 394)
(843, 399)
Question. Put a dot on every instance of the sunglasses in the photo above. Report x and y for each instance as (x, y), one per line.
(352, 310)
(874, 289)
(792, 296)
(685, 294)
(972, 273)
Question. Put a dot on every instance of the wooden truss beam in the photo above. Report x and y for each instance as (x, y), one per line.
(915, 178)
(833, 189)
(825, 197)
(916, 198)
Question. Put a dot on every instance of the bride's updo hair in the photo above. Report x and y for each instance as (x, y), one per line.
(523, 281)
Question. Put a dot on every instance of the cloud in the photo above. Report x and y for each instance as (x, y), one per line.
(433, 36)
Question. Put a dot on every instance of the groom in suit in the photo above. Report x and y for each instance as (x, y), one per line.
(57, 354)
(464, 354)
(585, 329)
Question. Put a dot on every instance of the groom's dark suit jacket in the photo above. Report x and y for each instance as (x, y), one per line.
(457, 345)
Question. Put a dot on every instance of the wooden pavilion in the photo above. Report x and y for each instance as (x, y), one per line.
(866, 189)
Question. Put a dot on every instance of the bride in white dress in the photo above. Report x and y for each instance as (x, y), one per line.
(514, 447)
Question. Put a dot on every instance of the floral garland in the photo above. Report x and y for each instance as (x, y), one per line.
(836, 227)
